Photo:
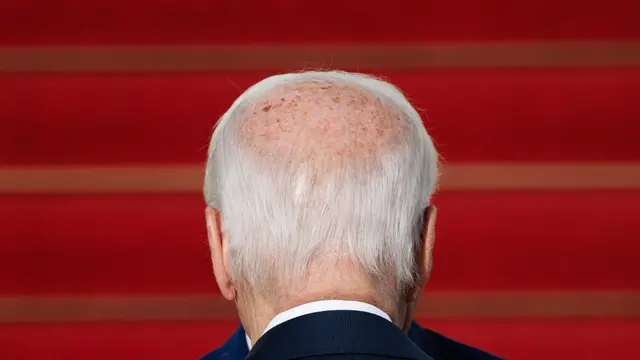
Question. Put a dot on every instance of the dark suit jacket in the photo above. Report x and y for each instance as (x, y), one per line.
(336, 335)
(432, 343)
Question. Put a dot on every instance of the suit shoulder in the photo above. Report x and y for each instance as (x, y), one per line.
(444, 348)
(217, 354)
(235, 348)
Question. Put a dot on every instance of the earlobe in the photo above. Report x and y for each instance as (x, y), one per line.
(218, 247)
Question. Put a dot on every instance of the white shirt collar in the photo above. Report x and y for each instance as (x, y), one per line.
(318, 306)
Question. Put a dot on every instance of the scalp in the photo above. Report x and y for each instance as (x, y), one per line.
(321, 120)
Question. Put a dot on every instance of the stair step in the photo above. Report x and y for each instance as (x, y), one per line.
(512, 240)
(281, 21)
(473, 115)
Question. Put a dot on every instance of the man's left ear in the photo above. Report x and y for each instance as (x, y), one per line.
(424, 261)
(425, 255)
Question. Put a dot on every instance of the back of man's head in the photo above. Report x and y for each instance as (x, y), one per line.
(320, 173)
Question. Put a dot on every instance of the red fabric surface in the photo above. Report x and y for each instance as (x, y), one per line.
(474, 115)
(157, 244)
(517, 339)
(281, 21)
(123, 341)
(535, 339)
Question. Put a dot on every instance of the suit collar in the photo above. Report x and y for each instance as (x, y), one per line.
(354, 332)
(318, 306)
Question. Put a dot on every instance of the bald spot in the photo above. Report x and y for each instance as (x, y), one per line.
(321, 122)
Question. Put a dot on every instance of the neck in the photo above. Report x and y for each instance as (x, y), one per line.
(256, 312)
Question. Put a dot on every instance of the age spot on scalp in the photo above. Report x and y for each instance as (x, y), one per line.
(321, 121)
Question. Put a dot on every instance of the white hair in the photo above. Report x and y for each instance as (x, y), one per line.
(278, 220)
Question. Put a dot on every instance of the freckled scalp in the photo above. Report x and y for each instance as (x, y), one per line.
(321, 120)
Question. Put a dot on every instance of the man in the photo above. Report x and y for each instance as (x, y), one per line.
(319, 223)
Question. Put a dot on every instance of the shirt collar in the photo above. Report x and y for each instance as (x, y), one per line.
(318, 306)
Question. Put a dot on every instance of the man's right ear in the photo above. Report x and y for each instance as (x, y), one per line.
(218, 244)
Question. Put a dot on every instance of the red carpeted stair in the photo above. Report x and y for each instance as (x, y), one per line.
(474, 115)
(156, 244)
(290, 21)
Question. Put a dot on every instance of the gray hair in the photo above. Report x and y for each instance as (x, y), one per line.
(278, 221)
